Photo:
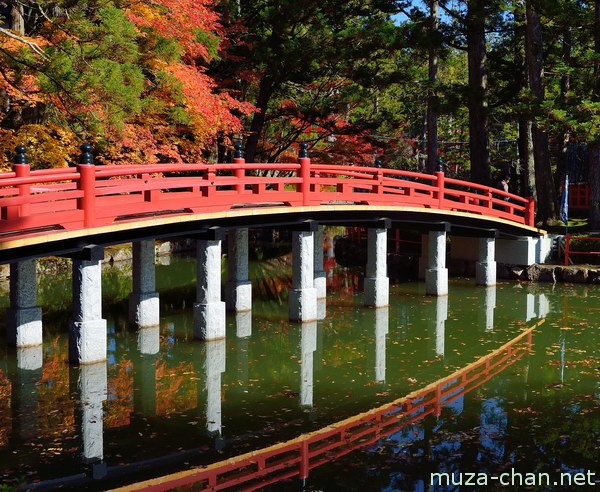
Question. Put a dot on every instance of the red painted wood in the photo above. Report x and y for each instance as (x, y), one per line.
(91, 196)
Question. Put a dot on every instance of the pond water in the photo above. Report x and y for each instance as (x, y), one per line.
(145, 414)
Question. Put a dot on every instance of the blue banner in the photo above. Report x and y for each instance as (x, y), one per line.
(563, 214)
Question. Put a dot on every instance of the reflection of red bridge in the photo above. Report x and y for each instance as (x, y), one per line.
(55, 204)
(298, 456)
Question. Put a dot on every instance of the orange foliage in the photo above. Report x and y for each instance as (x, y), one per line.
(175, 390)
(119, 405)
(55, 408)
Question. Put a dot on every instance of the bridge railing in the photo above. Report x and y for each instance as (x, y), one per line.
(90, 196)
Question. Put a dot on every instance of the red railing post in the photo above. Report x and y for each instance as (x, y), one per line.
(239, 173)
(210, 183)
(304, 463)
(87, 184)
(567, 244)
(22, 170)
(530, 213)
(304, 162)
(440, 185)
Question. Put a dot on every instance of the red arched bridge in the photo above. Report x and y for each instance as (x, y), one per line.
(54, 210)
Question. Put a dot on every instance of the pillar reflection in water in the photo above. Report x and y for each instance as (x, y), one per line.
(382, 316)
(308, 344)
(243, 324)
(92, 386)
(488, 298)
(27, 373)
(243, 331)
(214, 366)
(321, 308)
(438, 320)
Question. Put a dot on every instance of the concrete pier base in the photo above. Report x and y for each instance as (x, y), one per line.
(144, 306)
(24, 317)
(209, 310)
(381, 330)
(436, 276)
(377, 283)
(238, 291)
(215, 366)
(485, 268)
(320, 276)
(87, 330)
(302, 295)
(308, 345)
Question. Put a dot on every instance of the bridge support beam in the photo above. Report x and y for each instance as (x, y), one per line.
(24, 316)
(209, 310)
(144, 308)
(377, 283)
(87, 330)
(436, 276)
(485, 268)
(303, 295)
(238, 289)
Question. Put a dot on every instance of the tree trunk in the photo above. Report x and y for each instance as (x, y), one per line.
(265, 92)
(565, 85)
(546, 204)
(17, 17)
(594, 146)
(432, 128)
(524, 142)
(479, 151)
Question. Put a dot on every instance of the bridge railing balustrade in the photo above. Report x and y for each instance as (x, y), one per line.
(55, 198)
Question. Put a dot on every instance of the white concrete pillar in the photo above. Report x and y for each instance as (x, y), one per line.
(303, 295)
(238, 291)
(308, 345)
(377, 283)
(214, 365)
(87, 330)
(144, 308)
(320, 277)
(436, 276)
(24, 317)
(485, 268)
(92, 385)
(381, 331)
(321, 308)
(209, 310)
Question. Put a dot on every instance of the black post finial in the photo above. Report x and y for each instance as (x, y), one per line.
(303, 150)
(440, 166)
(378, 162)
(86, 156)
(239, 153)
(20, 156)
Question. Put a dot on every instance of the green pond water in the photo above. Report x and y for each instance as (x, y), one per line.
(192, 403)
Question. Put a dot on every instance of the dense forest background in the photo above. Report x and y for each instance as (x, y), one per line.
(479, 87)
